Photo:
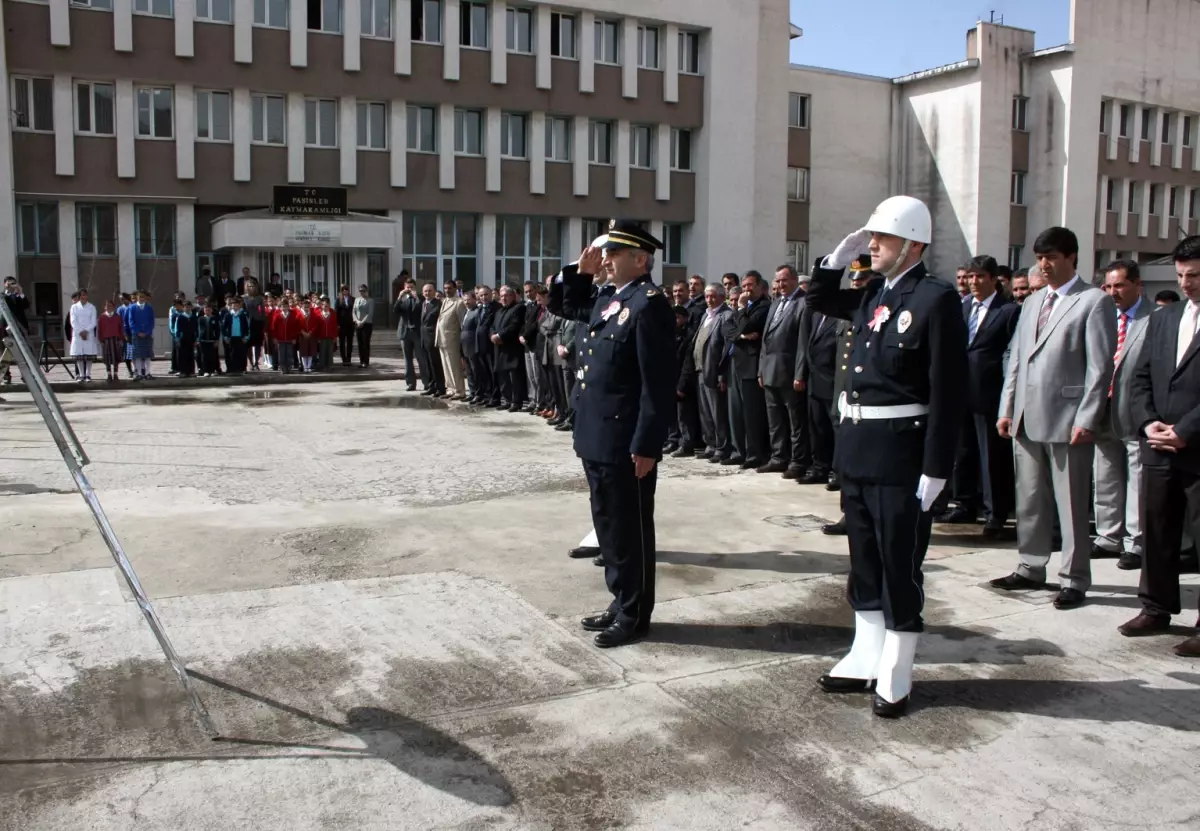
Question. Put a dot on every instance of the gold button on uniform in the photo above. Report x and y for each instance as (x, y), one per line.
(843, 367)
(584, 385)
(858, 369)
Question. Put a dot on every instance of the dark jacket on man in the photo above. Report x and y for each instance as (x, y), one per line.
(508, 324)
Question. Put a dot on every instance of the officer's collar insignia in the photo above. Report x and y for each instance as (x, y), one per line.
(904, 322)
(623, 317)
(651, 292)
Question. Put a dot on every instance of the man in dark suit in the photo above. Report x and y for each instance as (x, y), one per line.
(749, 403)
(900, 417)
(1166, 405)
(701, 374)
(691, 428)
(787, 407)
(983, 456)
(431, 362)
(487, 389)
(408, 330)
(510, 352)
(344, 309)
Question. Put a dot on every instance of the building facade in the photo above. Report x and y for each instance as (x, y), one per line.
(484, 141)
(1098, 135)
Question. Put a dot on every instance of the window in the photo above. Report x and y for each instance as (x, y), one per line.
(94, 108)
(797, 255)
(681, 149)
(105, 5)
(376, 18)
(1105, 114)
(1126, 115)
(320, 122)
(520, 30)
(1110, 198)
(528, 248)
(689, 53)
(1017, 197)
(1135, 197)
(797, 184)
(213, 115)
(216, 11)
(440, 247)
(158, 8)
(427, 21)
(641, 141)
(1173, 208)
(608, 46)
(422, 129)
(1166, 128)
(673, 244)
(155, 230)
(1147, 124)
(600, 136)
(513, 129)
(325, 15)
(473, 23)
(268, 112)
(1020, 113)
(1192, 204)
(33, 104)
(154, 112)
(468, 132)
(593, 228)
(97, 228)
(648, 47)
(1187, 131)
(562, 35)
(37, 229)
(372, 125)
(558, 139)
(1155, 206)
(272, 13)
(798, 110)
(1014, 256)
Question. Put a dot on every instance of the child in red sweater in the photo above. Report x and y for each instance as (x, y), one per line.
(111, 332)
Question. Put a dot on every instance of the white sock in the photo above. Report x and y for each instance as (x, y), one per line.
(896, 666)
(863, 661)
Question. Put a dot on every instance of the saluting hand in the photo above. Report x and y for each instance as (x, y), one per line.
(591, 260)
(850, 249)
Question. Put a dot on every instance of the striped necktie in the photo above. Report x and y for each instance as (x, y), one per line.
(1047, 308)
(1122, 331)
(973, 324)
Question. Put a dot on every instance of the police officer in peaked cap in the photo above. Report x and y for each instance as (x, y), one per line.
(899, 419)
(624, 398)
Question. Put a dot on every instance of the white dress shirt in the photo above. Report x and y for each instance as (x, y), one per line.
(985, 304)
(1187, 329)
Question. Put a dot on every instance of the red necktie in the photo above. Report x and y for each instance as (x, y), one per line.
(1122, 329)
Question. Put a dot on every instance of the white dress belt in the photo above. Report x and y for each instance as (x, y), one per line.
(857, 412)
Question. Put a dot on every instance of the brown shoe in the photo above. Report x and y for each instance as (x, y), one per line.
(1189, 648)
(1145, 624)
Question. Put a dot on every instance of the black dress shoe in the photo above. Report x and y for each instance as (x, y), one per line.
(598, 623)
(1129, 562)
(669, 448)
(1015, 582)
(1069, 599)
(795, 473)
(620, 634)
(1099, 553)
(428, 391)
(835, 483)
(515, 410)
(598, 561)
(717, 459)
(959, 516)
(684, 452)
(771, 467)
(833, 684)
(583, 552)
(733, 460)
(706, 453)
(838, 529)
(813, 477)
(752, 464)
(565, 426)
(886, 709)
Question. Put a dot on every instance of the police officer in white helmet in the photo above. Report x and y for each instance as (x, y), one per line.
(899, 422)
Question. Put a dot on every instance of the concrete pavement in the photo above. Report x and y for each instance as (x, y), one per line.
(374, 592)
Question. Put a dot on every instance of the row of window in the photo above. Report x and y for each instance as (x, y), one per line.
(95, 108)
(1126, 127)
(96, 229)
(1157, 194)
(475, 24)
(798, 107)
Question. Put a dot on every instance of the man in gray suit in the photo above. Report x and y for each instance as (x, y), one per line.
(787, 407)
(1054, 402)
(708, 347)
(1118, 465)
(408, 328)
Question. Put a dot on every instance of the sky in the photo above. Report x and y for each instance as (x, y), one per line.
(897, 37)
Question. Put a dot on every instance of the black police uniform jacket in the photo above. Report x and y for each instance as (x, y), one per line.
(917, 356)
(625, 387)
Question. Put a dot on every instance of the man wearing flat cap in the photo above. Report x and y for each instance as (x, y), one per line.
(624, 399)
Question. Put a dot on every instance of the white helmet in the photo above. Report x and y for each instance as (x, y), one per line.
(904, 217)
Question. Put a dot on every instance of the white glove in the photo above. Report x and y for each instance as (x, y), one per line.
(849, 249)
(928, 490)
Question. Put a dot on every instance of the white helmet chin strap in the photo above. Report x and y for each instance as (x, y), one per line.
(891, 273)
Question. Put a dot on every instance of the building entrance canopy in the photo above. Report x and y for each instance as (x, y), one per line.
(264, 229)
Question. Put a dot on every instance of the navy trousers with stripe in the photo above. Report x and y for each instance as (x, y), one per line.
(623, 516)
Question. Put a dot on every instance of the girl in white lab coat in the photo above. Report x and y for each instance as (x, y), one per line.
(85, 345)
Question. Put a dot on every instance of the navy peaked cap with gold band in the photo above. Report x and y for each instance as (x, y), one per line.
(624, 233)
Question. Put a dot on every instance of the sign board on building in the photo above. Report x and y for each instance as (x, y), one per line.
(293, 200)
(312, 234)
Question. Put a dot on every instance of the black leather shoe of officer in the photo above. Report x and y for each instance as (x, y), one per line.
(1069, 599)
(771, 467)
(752, 464)
(795, 473)
(958, 516)
(833, 684)
(886, 709)
(717, 459)
(583, 552)
(734, 460)
(1129, 562)
(684, 452)
(515, 409)
(812, 476)
(1099, 553)
(598, 623)
(838, 529)
(835, 483)
(1015, 582)
(598, 561)
(565, 426)
(620, 634)
(557, 420)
